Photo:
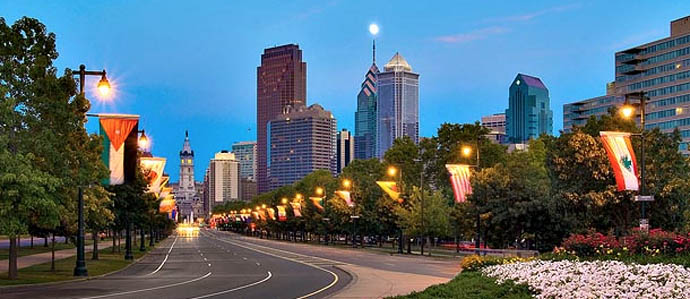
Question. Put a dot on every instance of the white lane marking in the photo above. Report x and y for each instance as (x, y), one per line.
(237, 288)
(165, 259)
(205, 259)
(258, 264)
(244, 258)
(209, 265)
(335, 276)
(151, 289)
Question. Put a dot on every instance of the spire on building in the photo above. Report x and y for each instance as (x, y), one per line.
(373, 54)
(186, 147)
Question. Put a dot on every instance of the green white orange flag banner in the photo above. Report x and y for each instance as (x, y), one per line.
(317, 202)
(391, 188)
(153, 167)
(296, 209)
(116, 129)
(460, 181)
(271, 213)
(282, 216)
(345, 195)
(622, 157)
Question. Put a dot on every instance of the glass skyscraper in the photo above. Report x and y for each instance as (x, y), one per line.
(529, 110)
(398, 104)
(365, 116)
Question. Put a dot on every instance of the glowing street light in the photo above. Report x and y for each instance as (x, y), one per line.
(627, 111)
(143, 141)
(466, 151)
(319, 191)
(104, 85)
(263, 206)
(347, 183)
(284, 200)
(298, 196)
(392, 171)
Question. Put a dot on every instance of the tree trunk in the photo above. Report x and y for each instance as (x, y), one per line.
(114, 235)
(52, 253)
(66, 240)
(45, 241)
(32, 241)
(94, 254)
(12, 271)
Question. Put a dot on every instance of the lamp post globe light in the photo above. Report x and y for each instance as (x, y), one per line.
(104, 88)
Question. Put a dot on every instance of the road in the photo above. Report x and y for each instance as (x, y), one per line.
(209, 265)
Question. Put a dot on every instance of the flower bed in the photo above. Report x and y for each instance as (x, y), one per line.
(652, 243)
(596, 279)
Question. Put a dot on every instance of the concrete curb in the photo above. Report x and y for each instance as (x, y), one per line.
(353, 280)
(82, 279)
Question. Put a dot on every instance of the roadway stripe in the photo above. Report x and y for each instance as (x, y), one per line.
(237, 288)
(165, 259)
(151, 289)
(335, 276)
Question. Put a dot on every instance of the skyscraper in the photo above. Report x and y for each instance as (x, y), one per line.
(365, 116)
(245, 152)
(302, 140)
(185, 190)
(529, 109)
(345, 148)
(281, 81)
(223, 178)
(398, 104)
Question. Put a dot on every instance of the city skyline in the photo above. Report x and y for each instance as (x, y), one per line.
(521, 31)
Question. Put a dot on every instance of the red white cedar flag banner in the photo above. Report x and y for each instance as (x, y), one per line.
(296, 209)
(460, 181)
(391, 188)
(271, 213)
(116, 130)
(317, 202)
(282, 216)
(154, 167)
(622, 158)
(345, 195)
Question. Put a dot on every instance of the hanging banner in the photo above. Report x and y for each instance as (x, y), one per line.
(345, 195)
(255, 214)
(153, 167)
(460, 181)
(282, 215)
(271, 213)
(296, 209)
(391, 188)
(622, 157)
(117, 140)
(317, 203)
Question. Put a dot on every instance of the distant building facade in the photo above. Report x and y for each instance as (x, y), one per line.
(185, 190)
(223, 178)
(301, 141)
(397, 104)
(577, 113)
(365, 116)
(529, 110)
(245, 152)
(345, 148)
(281, 81)
(497, 124)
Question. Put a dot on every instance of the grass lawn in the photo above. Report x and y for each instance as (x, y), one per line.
(24, 251)
(472, 284)
(64, 268)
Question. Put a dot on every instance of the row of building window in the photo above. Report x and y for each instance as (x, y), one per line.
(653, 71)
(671, 124)
(662, 114)
(667, 56)
(672, 101)
(667, 90)
(665, 45)
(660, 80)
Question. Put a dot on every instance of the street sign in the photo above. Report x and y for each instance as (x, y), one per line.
(644, 225)
(354, 217)
(644, 198)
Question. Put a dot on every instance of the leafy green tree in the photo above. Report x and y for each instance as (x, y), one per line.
(436, 215)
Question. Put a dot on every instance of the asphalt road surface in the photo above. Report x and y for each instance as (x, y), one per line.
(208, 265)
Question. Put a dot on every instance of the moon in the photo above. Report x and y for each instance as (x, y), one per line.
(374, 29)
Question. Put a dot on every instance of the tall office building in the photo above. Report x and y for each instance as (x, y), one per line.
(223, 178)
(365, 116)
(577, 113)
(398, 104)
(345, 149)
(660, 69)
(245, 152)
(302, 140)
(529, 110)
(281, 81)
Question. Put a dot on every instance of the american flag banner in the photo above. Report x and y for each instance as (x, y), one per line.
(317, 202)
(271, 213)
(296, 209)
(282, 216)
(460, 181)
(345, 195)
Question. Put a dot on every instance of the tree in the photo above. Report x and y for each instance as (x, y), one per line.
(436, 215)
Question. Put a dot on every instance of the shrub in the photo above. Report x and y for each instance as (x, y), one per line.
(475, 262)
(652, 243)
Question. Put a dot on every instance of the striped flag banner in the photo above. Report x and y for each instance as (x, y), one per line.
(317, 202)
(153, 167)
(460, 181)
(345, 195)
(255, 214)
(282, 215)
(271, 213)
(296, 209)
(622, 157)
(391, 188)
(116, 129)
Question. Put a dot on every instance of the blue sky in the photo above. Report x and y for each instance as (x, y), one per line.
(192, 64)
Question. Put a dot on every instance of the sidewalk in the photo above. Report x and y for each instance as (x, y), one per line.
(374, 283)
(35, 259)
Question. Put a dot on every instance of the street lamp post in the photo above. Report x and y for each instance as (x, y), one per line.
(392, 171)
(467, 151)
(104, 88)
(421, 197)
(628, 111)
